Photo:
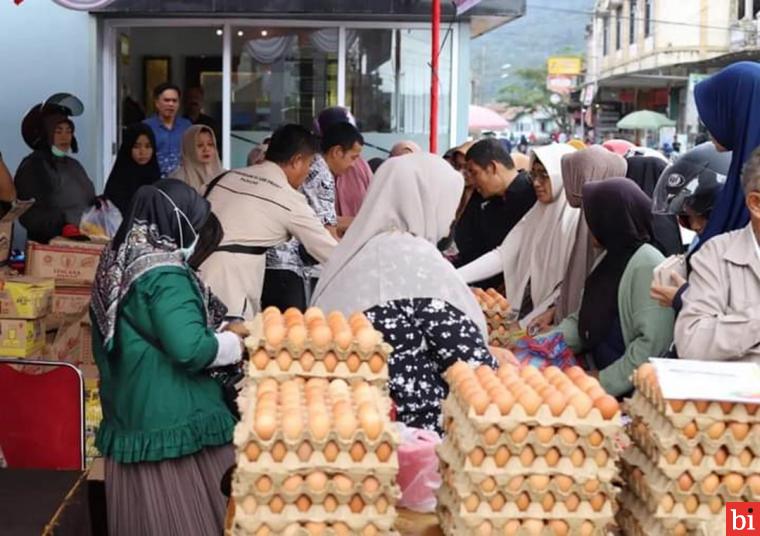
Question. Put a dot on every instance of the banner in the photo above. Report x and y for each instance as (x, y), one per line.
(564, 65)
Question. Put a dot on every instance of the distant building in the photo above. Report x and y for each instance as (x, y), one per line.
(648, 54)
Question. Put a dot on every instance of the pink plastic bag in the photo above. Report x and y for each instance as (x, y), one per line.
(418, 475)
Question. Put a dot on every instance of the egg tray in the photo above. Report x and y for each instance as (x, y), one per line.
(448, 499)
(300, 529)
(666, 435)
(450, 452)
(465, 485)
(457, 409)
(256, 342)
(318, 370)
(317, 500)
(244, 483)
(646, 442)
(246, 523)
(634, 520)
(452, 525)
(469, 438)
(659, 484)
(690, 412)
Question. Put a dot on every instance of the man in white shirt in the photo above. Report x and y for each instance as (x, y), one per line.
(260, 207)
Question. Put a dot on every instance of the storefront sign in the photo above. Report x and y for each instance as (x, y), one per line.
(560, 84)
(564, 65)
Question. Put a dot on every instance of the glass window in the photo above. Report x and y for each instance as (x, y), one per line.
(618, 28)
(606, 36)
(632, 15)
(647, 18)
(191, 58)
(388, 86)
(279, 75)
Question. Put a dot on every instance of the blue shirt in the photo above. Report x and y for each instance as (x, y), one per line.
(168, 142)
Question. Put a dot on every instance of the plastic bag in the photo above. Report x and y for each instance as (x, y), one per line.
(101, 220)
(418, 475)
(543, 351)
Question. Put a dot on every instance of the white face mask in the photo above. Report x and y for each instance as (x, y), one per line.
(188, 251)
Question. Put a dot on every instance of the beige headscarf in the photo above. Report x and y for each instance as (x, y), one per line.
(405, 147)
(191, 171)
(390, 252)
(522, 161)
(589, 165)
(539, 247)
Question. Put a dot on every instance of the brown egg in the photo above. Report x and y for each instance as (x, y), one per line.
(530, 402)
(680, 530)
(582, 404)
(696, 455)
(595, 438)
(556, 402)
(746, 457)
(331, 451)
(303, 503)
(601, 458)
(515, 483)
(479, 401)
(278, 451)
(559, 527)
(321, 336)
(343, 337)
(315, 529)
(607, 406)
(260, 359)
(716, 429)
(376, 363)
(511, 528)
(292, 484)
(345, 425)
(597, 502)
(587, 529)
(734, 483)
(316, 482)
(710, 484)
(264, 484)
(356, 504)
(527, 456)
(488, 485)
(533, 527)
(685, 482)
(501, 456)
(249, 505)
(754, 484)
(548, 502)
(275, 334)
(591, 486)
(491, 435)
(471, 503)
(292, 425)
(353, 362)
(371, 485)
(381, 504)
(751, 408)
(523, 502)
(341, 529)
(544, 434)
(538, 482)
(567, 435)
(485, 529)
(276, 505)
(284, 360)
(357, 452)
(667, 503)
(304, 451)
(721, 455)
(476, 456)
(319, 424)
(497, 502)
(739, 430)
(563, 483)
(715, 504)
(343, 484)
(370, 421)
(690, 430)
(519, 434)
(384, 452)
(367, 338)
(252, 452)
(578, 457)
(671, 456)
(702, 405)
(595, 393)
(572, 502)
(297, 336)
(552, 457)
(264, 425)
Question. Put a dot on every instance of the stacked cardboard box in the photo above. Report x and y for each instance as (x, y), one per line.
(316, 449)
(527, 452)
(688, 460)
(24, 303)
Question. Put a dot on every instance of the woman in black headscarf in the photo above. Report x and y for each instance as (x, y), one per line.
(618, 325)
(136, 165)
(644, 171)
(58, 183)
(166, 429)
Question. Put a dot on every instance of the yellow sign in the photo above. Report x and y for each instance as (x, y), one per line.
(567, 65)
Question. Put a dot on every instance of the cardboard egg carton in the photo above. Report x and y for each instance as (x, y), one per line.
(461, 411)
(325, 529)
(320, 370)
(468, 437)
(500, 305)
(658, 485)
(450, 452)
(644, 439)
(448, 499)
(703, 412)
(667, 435)
(635, 520)
(251, 521)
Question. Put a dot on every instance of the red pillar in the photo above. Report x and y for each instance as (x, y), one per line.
(436, 45)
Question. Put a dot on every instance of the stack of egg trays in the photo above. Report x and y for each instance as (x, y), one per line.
(303, 456)
(462, 479)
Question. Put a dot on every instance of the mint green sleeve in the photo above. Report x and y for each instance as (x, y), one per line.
(647, 330)
(178, 321)
(569, 330)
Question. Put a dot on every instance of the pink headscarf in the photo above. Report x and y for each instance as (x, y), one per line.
(351, 187)
(618, 146)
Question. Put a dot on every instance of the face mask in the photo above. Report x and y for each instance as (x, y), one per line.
(57, 152)
(188, 251)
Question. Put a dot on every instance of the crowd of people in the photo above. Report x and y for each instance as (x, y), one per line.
(572, 234)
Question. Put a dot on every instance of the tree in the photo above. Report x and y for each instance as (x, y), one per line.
(528, 90)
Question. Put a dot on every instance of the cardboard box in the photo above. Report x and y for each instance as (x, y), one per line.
(73, 342)
(22, 338)
(25, 297)
(69, 262)
(6, 227)
(70, 300)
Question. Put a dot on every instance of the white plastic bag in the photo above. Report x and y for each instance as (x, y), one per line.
(102, 221)
(418, 474)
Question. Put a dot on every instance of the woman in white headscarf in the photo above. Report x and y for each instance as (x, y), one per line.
(535, 254)
(388, 266)
(200, 158)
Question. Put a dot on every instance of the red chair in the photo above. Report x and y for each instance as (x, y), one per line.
(42, 415)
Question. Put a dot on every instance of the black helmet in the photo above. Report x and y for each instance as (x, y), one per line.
(693, 182)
